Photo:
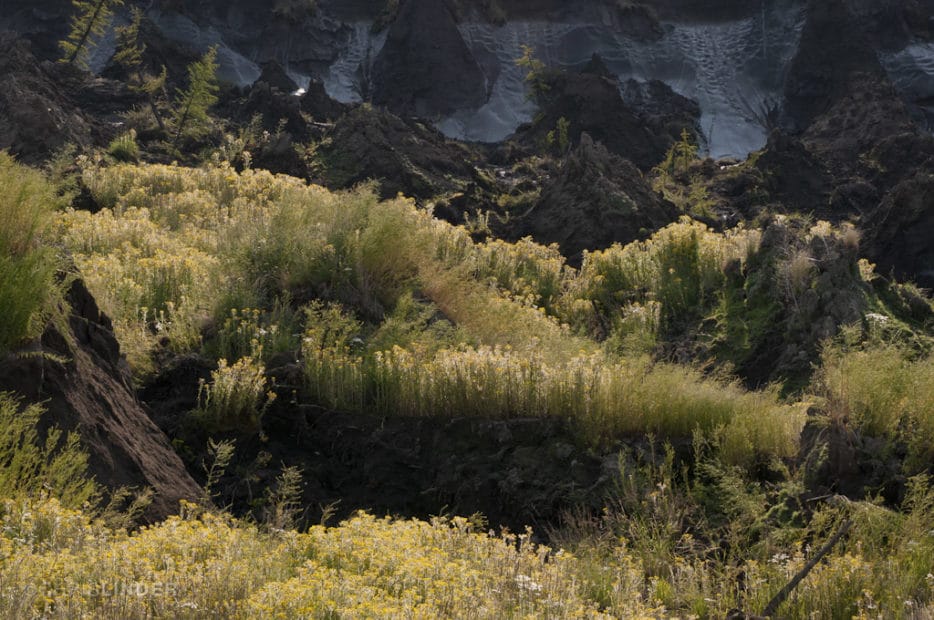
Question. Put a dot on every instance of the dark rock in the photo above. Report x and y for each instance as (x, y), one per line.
(591, 102)
(42, 22)
(425, 68)
(830, 457)
(837, 93)
(307, 41)
(793, 175)
(514, 472)
(596, 199)
(898, 233)
(45, 105)
(88, 390)
(833, 51)
(639, 22)
(837, 459)
(174, 391)
(667, 113)
(318, 104)
(275, 76)
(36, 118)
(890, 24)
(282, 126)
(279, 110)
(159, 53)
(404, 156)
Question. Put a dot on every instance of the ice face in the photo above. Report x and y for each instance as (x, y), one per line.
(912, 72)
(734, 70)
(232, 66)
(344, 79)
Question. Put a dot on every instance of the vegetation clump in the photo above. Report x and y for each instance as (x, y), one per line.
(192, 103)
(29, 287)
(377, 308)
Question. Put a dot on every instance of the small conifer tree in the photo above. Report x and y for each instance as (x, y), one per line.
(129, 55)
(88, 25)
(193, 103)
(535, 72)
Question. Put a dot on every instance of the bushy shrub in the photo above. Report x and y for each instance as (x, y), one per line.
(55, 465)
(883, 390)
(681, 267)
(236, 397)
(124, 148)
(29, 291)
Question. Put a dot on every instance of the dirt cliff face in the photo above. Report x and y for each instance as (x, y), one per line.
(425, 68)
(46, 105)
(596, 199)
(81, 379)
(853, 122)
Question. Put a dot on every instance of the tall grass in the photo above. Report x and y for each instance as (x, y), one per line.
(604, 398)
(29, 292)
(883, 390)
(196, 244)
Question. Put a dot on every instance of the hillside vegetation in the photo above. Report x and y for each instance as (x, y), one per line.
(390, 312)
(405, 314)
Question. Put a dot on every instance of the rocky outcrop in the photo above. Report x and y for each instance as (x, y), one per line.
(899, 232)
(825, 68)
(46, 105)
(36, 118)
(837, 459)
(595, 200)
(275, 76)
(401, 155)
(42, 22)
(319, 105)
(83, 382)
(836, 92)
(590, 101)
(854, 125)
(793, 176)
(425, 68)
(890, 24)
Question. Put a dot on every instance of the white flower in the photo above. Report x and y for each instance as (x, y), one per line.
(525, 583)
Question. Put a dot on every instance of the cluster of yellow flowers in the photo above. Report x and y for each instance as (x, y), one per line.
(56, 563)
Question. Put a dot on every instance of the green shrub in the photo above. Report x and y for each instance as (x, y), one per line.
(124, 148)
(680, 267)
(883, 391)
(29, 290)
(236, 397)
(29, 466)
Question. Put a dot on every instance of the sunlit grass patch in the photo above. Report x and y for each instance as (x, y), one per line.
(29, 289)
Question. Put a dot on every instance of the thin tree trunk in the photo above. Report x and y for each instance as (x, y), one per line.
(181, 122)
(779, 598)
(151, 101)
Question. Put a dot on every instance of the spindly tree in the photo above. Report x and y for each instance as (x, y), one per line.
(130, 56)
(193, 103)
(535, 72)
(88, 25)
